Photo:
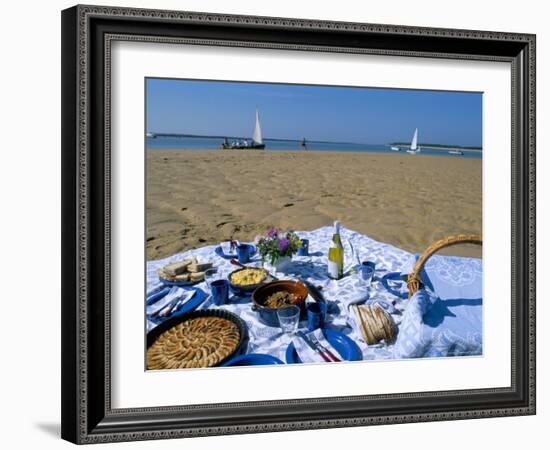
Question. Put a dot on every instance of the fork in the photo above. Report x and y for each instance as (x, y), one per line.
(324, 349)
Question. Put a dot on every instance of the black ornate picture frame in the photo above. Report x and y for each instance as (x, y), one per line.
(87, 34)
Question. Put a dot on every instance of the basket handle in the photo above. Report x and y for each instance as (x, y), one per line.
(413, 280)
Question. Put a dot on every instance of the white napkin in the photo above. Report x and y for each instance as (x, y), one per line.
(362, 298)
(307, 354)
(175, 292)
(226, 247)
(150, 325)
(412, 341)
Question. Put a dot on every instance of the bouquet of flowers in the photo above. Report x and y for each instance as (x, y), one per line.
(276, 244)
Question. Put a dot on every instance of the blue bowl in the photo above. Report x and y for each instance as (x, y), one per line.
(253, 359)
(347, 348)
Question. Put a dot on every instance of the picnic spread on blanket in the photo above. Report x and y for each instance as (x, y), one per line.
(233, 304)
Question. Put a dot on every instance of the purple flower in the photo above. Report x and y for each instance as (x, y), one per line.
(272, 233)
(283, 245)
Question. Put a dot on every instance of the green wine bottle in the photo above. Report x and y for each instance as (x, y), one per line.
(336, 255)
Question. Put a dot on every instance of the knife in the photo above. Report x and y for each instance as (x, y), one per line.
(301, 335)
(322, 348)
(169, 308)
(173, 307)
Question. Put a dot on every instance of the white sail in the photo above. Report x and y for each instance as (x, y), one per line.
(257, 135)
(415, 140)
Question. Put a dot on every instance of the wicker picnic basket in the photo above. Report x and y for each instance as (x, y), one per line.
(413, 280)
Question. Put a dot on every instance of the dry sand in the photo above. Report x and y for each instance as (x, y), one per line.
(197, 198)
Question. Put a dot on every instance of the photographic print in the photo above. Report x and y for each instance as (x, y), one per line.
(299, 224)
(298, 197)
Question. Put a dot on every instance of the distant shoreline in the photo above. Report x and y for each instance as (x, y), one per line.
(313, 141)
(444, 153)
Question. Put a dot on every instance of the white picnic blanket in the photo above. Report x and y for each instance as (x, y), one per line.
(349, 290)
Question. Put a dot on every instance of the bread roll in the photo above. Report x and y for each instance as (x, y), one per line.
(196, 267)
(375, 323)
(177, 268)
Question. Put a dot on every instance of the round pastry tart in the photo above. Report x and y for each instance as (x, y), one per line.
(201, 339)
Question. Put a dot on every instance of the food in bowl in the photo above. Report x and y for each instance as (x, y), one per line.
(248, 277)
(268, 315)
(199, 342)
(280, 299)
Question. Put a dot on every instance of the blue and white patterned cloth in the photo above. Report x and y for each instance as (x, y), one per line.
(444, 319)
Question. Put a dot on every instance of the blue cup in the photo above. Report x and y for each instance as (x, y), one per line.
(220, 291)
(243, 253)
(367, 271)
(316, 314)
(304, 249)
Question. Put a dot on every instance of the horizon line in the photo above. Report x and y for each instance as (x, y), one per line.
(313, 140)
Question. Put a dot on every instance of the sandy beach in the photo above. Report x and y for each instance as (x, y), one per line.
(198, 198)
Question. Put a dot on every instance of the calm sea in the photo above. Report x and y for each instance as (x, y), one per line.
(208, 143)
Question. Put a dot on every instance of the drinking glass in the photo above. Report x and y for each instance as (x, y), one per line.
(226, 248)
(288, 320)
(367, 272)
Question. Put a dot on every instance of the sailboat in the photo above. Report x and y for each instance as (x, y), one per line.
(255, 144)
(414, 144)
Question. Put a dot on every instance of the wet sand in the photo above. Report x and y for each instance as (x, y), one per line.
(197, 198)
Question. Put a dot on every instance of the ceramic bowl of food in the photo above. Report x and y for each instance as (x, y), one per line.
(269, 297)
(246, 280)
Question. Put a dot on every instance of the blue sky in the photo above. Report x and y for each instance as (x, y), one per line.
(340, 114)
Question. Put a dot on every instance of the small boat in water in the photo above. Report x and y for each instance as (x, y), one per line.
(395, 149)
(414, 149)
(456, 152)
(255, 144)
(151, 135)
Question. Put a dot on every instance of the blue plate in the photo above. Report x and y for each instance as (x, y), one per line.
(396, 276)
(197, 299)
(178, 283)
(221, 254)
(348, 350)
(253, 359)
